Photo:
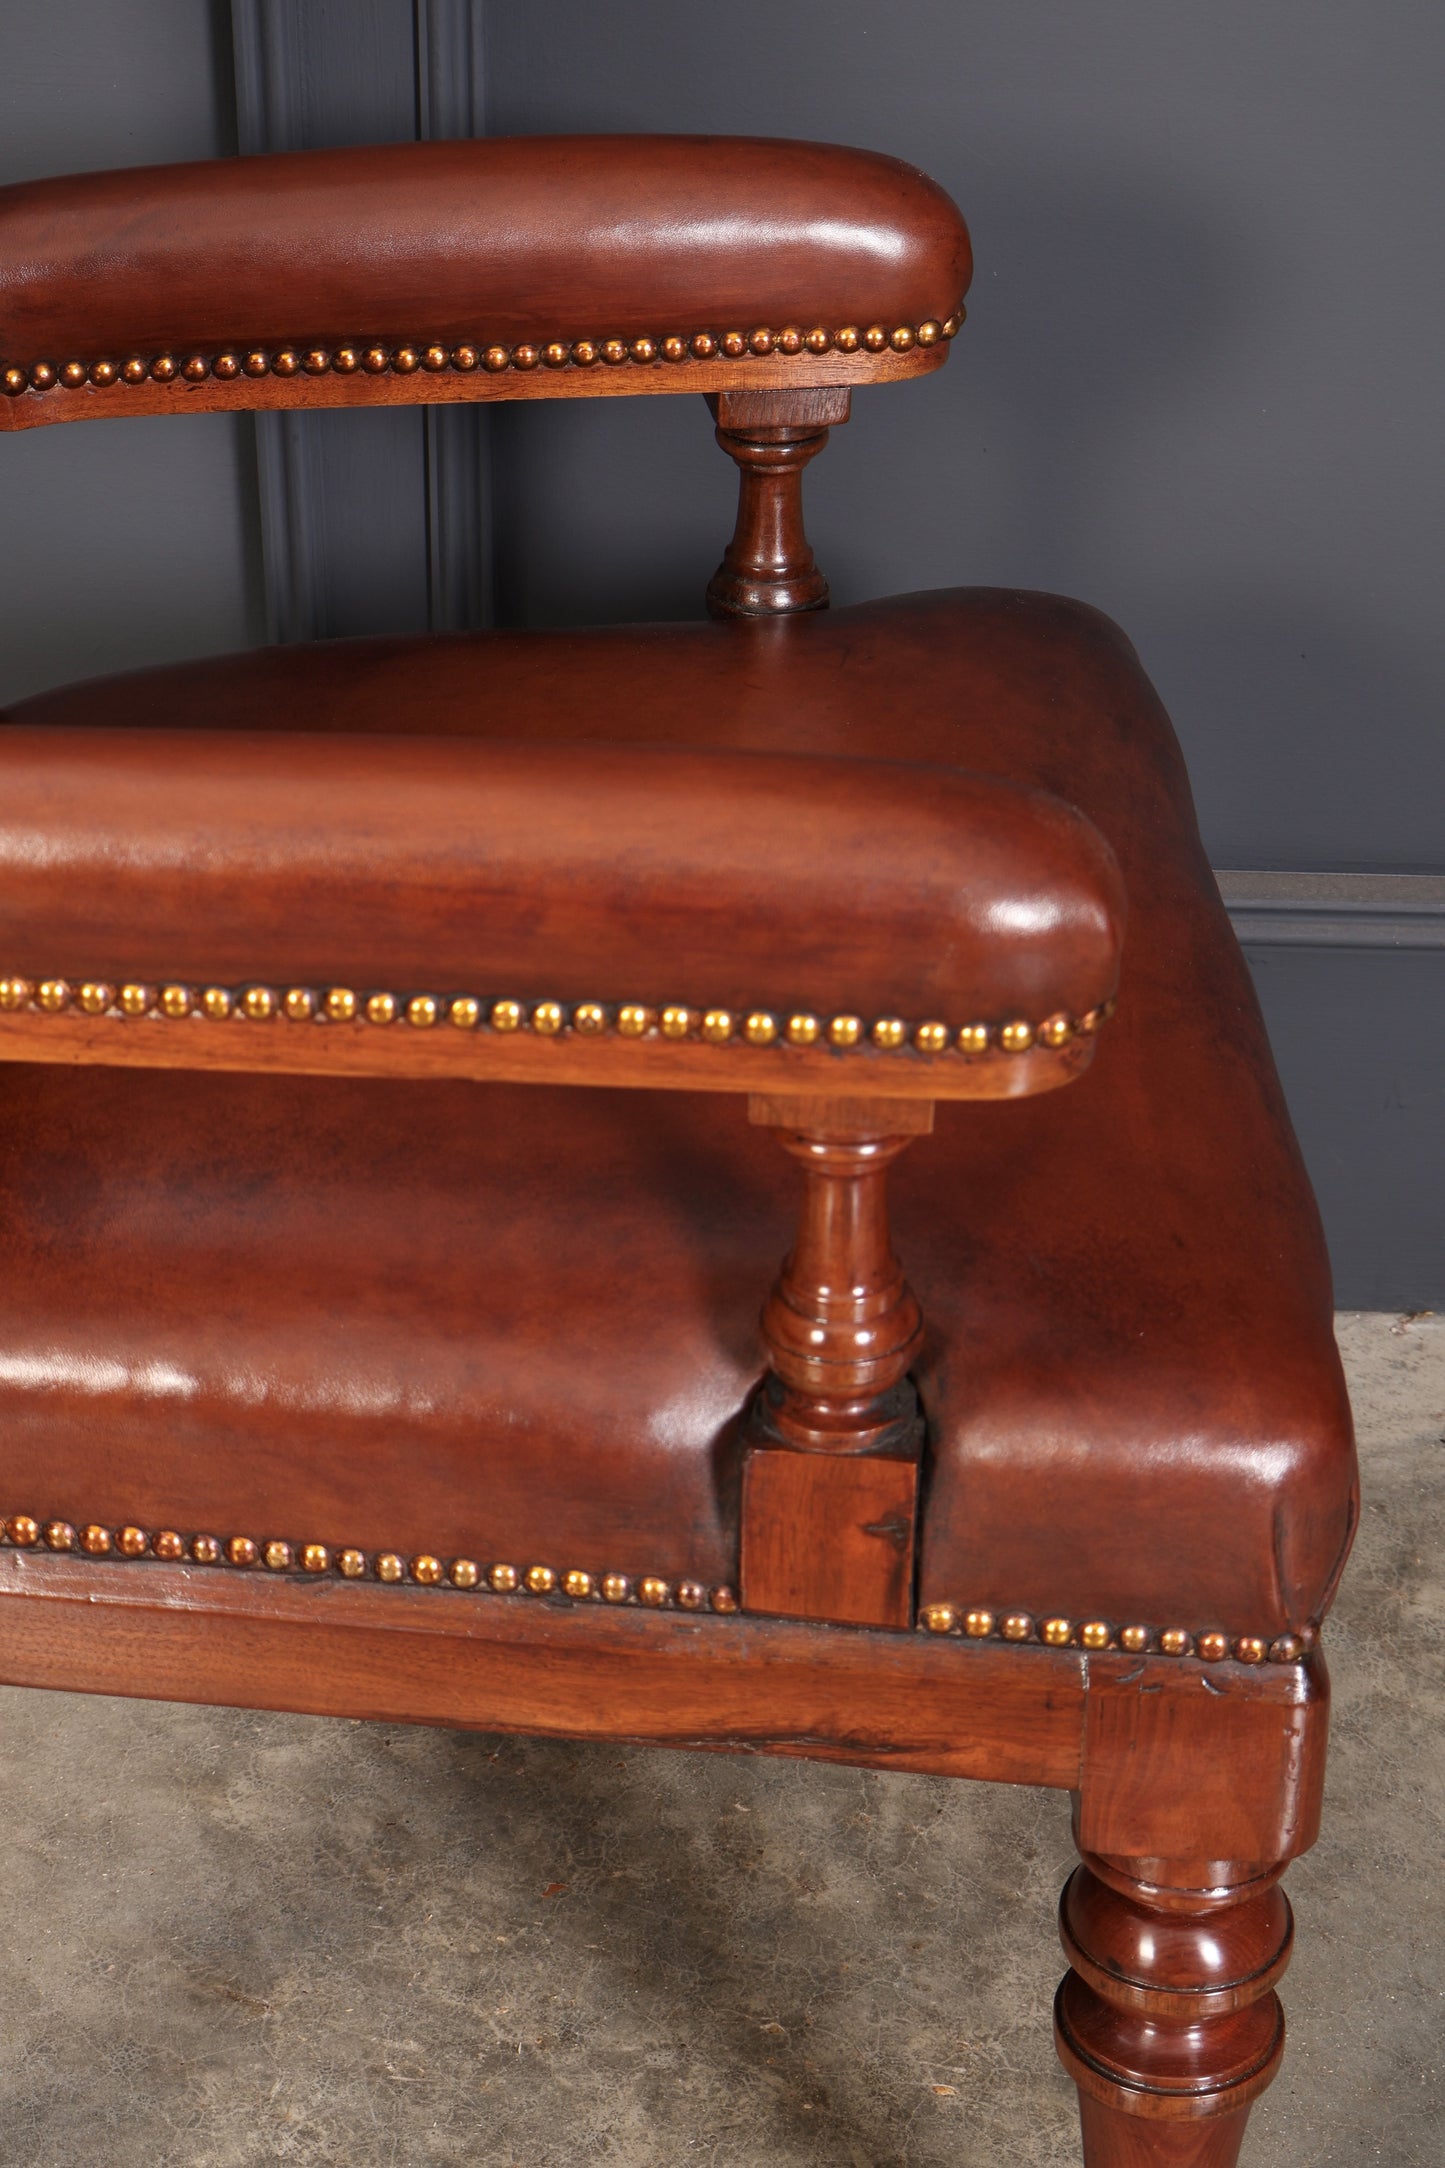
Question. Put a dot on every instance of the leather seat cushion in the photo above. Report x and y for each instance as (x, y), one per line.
(518, 1324)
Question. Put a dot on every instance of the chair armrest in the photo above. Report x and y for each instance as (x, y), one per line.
(609, 914)
(565, 264)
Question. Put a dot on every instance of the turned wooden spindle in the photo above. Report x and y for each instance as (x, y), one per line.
(830, 1479)
(1168, 2021)
(768, 568)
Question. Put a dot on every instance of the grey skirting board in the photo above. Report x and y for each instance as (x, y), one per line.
(1350, 970)
(1337, 910)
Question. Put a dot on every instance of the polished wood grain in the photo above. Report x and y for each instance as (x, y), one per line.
(1168, 2014)
(835, 1435)
(1140, 1735)
(828, 1537)
(1115, 2139)
(842, 1325)
(542, 1666)
(768, 567)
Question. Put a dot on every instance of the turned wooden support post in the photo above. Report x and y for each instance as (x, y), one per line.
(1168, 2021)
(830, 1475)
(768, 568)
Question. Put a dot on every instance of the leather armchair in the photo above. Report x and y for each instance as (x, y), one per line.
(391, 1034)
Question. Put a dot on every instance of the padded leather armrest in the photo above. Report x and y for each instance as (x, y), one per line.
(538, 239)
(712, 899)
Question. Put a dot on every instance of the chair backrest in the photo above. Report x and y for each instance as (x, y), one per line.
(529, 267)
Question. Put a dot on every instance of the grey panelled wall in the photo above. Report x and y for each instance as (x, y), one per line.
(1199, 383)
(1197, 387)
(125, 542)
(1193, 389)
(368, 520)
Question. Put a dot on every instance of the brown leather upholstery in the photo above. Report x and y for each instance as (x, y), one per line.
(1134, 1402)
(531, 238)
(607, 873)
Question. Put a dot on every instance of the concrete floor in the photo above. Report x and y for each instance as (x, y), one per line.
(235, 1939)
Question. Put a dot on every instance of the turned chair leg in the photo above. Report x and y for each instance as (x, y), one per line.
(1167, 2021)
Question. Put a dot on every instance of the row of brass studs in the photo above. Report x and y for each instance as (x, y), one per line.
(426, 1570)
(406, 360)
(423, 1571)
(591, 1019)
(1063, 1633)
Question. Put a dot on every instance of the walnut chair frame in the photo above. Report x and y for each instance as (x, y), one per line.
(1194, 1752)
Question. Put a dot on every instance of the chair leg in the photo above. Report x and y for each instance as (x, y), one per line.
(1167, 2021)
(1115, 2138)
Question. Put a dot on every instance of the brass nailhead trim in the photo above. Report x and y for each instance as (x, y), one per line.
(346, 360)
(650, 1591)
(425, 1569)
(254, 1003)
(1062, 1633)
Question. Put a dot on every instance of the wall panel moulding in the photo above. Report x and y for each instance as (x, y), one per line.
(1337, 910)
(369, 522)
